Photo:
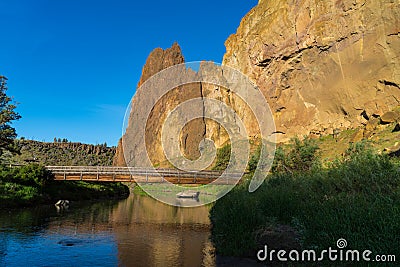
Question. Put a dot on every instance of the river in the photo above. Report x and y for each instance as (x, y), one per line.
(137, 231)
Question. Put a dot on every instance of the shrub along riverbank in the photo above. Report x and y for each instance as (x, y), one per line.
(34, 185)
(303, 205)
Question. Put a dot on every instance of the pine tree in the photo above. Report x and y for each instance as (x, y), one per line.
(7, 116)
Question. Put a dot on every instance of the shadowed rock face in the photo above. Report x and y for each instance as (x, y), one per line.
(119, 159)
(320, 64)
(193, 132)
(191, 135)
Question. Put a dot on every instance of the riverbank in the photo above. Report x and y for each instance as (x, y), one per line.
(356, 198)
(33, 185)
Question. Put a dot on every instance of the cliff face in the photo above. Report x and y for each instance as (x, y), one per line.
(191, 134)
(194, 131)
(321, 65)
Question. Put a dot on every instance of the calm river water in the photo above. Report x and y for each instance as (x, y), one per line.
(138, 231)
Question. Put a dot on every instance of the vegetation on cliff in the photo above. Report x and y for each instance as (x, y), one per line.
(356, 197)
(60, 153)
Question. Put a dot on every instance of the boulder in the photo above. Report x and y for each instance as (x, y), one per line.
(372, 124)
(390, 117)
(393, 150)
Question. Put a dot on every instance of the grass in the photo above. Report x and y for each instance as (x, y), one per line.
(33, 185)
(357, 197)
(382, 137)
(207, 194)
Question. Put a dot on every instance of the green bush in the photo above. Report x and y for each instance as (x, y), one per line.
(223, 156)
(14, 195)
(301, 156)
(33, 184)
(33, 174)
(254, 158)
(356, 198)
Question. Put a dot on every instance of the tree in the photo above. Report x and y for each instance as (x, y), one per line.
(301, 156)
(7, 116)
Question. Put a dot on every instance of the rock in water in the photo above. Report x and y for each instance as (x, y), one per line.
(62, 203)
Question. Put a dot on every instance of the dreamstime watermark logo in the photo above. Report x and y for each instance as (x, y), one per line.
(188, 105)
(331, 254)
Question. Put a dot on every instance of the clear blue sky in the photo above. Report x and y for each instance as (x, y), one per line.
(73, 66)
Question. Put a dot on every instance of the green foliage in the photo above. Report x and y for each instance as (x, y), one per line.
(58, 153)
(137, 190)
(359, 148)
(7, 116)
(223, 157)
(14, 194)
(301, 156)
(356, 198)
(266, 160)
(34, 174)
(254, 158)
(33, 184)
(30, 175)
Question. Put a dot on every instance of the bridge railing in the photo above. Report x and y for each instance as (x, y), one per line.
(136, 171)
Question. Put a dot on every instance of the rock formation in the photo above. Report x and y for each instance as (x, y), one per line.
(321, 65)
(191, 134)
(194, 131)
(119, 159)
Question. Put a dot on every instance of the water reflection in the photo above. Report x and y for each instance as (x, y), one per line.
(138, 231)
(149, 231)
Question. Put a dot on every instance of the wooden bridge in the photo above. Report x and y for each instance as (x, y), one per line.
(140, 175)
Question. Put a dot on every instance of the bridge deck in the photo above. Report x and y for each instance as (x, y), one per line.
(140, 175)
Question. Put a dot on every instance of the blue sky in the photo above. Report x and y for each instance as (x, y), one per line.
(73, 66)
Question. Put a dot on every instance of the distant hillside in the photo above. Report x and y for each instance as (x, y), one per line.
(62, 153)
